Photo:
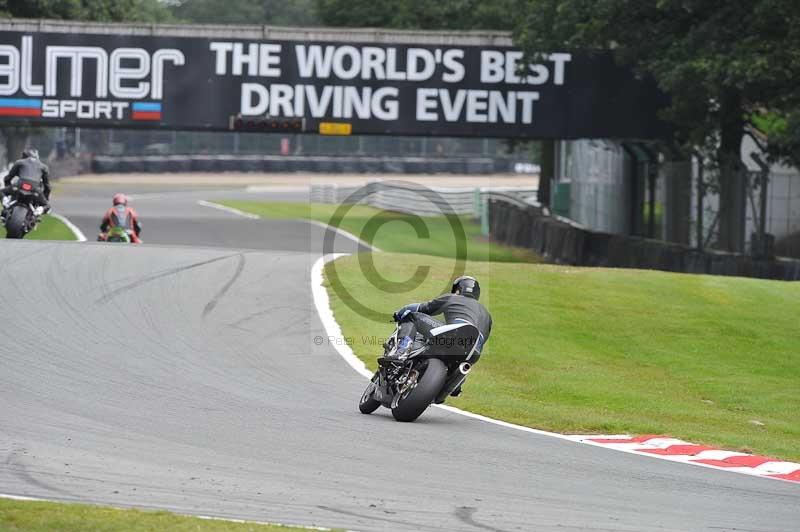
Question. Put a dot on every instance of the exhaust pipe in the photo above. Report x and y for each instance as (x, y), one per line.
(453, 382)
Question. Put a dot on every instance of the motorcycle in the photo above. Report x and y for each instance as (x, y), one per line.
(116, 234)
(20, 214)
(434, 368)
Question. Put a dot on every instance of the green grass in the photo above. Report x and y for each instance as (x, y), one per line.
(49, 229)
(578, 350)
(394, 232)
(34, 516)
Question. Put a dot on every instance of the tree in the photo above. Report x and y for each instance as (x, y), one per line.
(96, 10)
(783, 134)
(720, 61)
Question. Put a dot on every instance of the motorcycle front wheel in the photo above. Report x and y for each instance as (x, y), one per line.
(368, 403)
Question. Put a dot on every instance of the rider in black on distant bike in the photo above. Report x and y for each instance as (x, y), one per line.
(31, 169)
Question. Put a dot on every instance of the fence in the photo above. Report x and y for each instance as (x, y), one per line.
(561, 242)
(599, 192)
(292, 163)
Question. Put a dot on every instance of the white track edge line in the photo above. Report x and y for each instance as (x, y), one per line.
(179, 514)
(325, 312)
(342, 232)
(332, 329)
(227, 209)
(79, 236)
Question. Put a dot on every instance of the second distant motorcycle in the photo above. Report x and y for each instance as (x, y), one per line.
(120, 223)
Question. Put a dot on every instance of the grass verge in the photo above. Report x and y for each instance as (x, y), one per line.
(36, 516)
(576, 350)
(394, 231)
(49, 229)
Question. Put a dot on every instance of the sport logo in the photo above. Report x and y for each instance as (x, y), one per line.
(129, 82)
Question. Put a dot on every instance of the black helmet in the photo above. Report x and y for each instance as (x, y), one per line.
(30, 153)
(467, 286)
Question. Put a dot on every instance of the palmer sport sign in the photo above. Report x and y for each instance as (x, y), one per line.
(327, 87)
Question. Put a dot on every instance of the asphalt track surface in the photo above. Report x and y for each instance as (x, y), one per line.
(186, 377)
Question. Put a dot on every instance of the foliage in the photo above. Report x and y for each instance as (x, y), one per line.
(783, 134)
(95, 10)
(719, 60)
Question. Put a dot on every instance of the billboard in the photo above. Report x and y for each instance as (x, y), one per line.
(319, 87)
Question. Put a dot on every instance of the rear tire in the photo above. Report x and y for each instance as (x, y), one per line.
(368, 404)
(422, 395)
(15, 226)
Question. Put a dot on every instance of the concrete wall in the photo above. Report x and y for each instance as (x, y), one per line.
(563, 243)
(276, 33)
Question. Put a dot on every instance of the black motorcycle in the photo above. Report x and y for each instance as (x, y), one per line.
(433, 369)
(21, 209)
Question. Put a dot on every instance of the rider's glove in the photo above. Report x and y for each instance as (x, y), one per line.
(405, 311)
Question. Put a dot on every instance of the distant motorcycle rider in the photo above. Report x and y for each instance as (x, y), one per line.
(32, 169)
(120, 215)
(460, 305)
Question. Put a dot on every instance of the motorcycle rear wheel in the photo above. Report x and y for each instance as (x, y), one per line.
(15, 226)
(422, 395)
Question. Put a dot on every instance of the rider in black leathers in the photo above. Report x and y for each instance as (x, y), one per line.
(461, 305)
(30, 167)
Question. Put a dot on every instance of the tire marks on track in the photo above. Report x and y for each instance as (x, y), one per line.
(465, 514)
(227, 286)
(172, 271)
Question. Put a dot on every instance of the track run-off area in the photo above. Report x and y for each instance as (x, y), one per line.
(183, 374)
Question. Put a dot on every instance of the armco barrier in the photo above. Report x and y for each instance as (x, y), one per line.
(410, 198)
(557, 240)
(102, 164)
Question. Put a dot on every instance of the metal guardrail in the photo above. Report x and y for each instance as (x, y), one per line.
(522, 204)
(420, 200)
(296, 163)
